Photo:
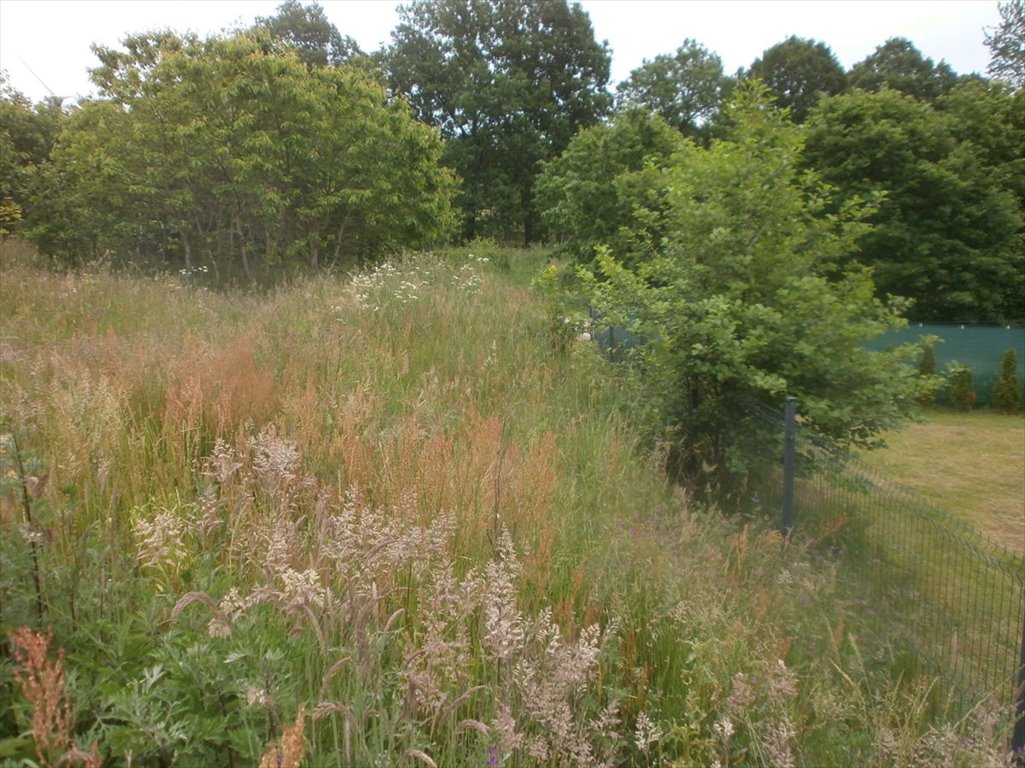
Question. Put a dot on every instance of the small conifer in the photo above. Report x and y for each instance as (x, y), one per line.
(927, 371)
(962, 391)
(927, 363)
(1007, 391)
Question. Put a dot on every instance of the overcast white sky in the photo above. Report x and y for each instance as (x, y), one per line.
(47, 41)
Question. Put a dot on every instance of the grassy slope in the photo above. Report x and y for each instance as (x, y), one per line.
(390, 501)
(971, 465)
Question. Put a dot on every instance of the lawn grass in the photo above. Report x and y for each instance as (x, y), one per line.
(971, 465)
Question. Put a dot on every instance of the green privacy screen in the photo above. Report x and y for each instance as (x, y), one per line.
(980, 347)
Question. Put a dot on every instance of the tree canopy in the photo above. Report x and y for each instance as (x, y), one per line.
(686, 88)
(283, 147)
(897, 64)
(1006, 44)
(741, 299)
(231, 154)
(307, 30)
(508, 84)
(27, 135)
(799, 72)
(948, 227)
(594, 192)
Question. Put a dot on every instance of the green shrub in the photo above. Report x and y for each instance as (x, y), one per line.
(736, 289)
(927, 363)
(962, 391)
(927, 372)
(1007, 390)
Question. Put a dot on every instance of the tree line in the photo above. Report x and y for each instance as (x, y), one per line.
(283, 147)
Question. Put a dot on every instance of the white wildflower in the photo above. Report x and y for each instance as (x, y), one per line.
(646, 733)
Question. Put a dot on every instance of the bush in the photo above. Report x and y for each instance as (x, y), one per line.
(962, 391)
(738, 295)
(291, 169)
(927, 372)
(1007, 390)
(927, 363)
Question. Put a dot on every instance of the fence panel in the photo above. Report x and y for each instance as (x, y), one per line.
(958, 597)
(980, 347)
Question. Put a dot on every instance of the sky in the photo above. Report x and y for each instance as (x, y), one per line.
(45, 44)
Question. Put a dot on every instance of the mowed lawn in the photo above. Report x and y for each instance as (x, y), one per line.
(970, 464)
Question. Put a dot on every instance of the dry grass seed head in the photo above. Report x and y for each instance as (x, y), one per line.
(42, 683)
(290, 751)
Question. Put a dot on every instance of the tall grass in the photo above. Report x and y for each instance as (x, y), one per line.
(382, 521)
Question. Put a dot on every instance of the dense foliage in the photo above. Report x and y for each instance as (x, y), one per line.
(899, 65)
(508, 84)
(799, 72)
(686, 88)
(948, 227)
(742, 298)
(231, 155)
(189, 160)
(27, 134)
(608, 180)
(306, 30)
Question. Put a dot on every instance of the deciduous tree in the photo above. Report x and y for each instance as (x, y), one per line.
(508, 84)
(947, 229)
(232, 154)
(899, 65)
(799, 72)
(686, 88)
(607, 181)
(27, 134)
(741, 301)
(307, 30)
(1006, 43)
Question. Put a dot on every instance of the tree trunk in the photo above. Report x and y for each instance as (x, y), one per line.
(183, 234)
(243, 250)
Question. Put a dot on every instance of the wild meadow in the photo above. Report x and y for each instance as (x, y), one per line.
(397, 518)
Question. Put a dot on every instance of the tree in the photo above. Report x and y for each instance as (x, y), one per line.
(1007, 390)
(607, 181)
(799, 72)
(947, 229)
(741, 301)
(927, 362)
(307, 30)
(962, 390)
(899, 65)
(508, 84)
(687, 89)
(229, 153)
(1006, 44)
(27, 135)
(988, 119)
(927, 370)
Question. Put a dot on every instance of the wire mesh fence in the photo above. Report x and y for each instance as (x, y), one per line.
(930, 583)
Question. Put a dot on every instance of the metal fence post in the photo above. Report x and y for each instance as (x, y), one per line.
(789, 462)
